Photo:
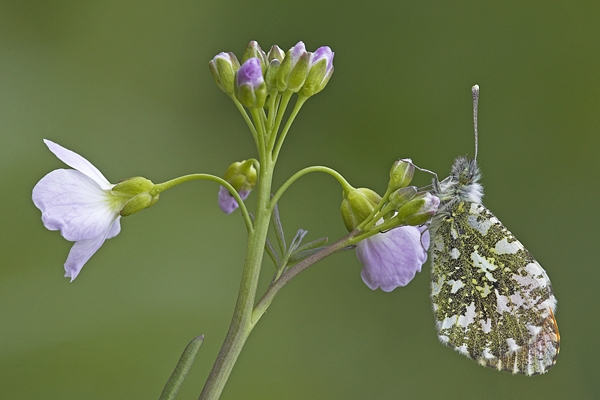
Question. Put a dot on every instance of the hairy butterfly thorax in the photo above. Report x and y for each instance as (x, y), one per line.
(492, 300)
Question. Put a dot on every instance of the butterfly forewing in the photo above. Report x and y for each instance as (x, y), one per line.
(492, 301)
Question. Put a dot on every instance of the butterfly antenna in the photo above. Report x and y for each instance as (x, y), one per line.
(475, 91)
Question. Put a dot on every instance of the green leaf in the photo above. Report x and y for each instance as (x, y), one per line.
(181, 369)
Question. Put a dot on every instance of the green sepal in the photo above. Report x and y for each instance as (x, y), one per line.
(357, 205)
(418, 210)
(254, 50)
(138, 203)
(133, 186)
(316, 79)
(241, 175)
(251, 97)
(292, 77)
(402, 196)
(271, 73)
(275, 53)
(401, 174)
(298, 74)
(223, 71)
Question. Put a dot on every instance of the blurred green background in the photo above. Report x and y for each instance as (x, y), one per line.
(126, 84)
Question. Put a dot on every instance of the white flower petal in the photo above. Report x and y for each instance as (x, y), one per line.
(82, 250)
(115, 228)
(76, 161)
(74, 204)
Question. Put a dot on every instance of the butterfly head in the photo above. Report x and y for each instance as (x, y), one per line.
(462, 184)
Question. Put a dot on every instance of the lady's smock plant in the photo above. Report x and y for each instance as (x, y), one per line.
(387, 231)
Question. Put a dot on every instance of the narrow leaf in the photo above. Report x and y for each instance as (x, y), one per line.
(301, 255)
(182, 368)
(297, 240)
(279, 230)
(314, 244)
(272, 254)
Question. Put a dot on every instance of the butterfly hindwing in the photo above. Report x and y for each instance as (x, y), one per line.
(492, 300)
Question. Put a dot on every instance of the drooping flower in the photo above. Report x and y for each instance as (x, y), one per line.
(242, 176)
(85, 206)
(392, 259)
(228, 203)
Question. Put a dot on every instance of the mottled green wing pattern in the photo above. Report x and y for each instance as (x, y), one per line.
(492, 301)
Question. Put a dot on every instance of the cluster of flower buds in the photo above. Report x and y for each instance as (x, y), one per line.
(413, 207)
(357, 205)
(242, 176)
(405, 204)
(297, 71)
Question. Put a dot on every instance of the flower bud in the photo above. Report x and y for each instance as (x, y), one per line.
(275, 54)
(401, 173)
(419, 210)
(403, 195)
(250, 86)
(254, 51)
(242, 176)
(271, 74)
(223, 68)
(321, 69)
(357, 205)
(294, 69)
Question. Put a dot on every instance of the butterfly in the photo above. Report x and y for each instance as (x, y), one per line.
(492, 300)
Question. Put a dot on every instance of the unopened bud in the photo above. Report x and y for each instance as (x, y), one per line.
(403, 195)
(294, 69)
(419, 210)
(254, 51)
(250, 87)
(357, 205)
(223, 68)
(321, 69)
(241, 175)
(401, 173)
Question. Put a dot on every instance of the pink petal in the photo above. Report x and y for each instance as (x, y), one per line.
(393, 258)
(74, 160)
(74, 204)
(228, 203)
(82, 250)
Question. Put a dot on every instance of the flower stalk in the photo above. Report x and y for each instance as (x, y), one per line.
(87, 208)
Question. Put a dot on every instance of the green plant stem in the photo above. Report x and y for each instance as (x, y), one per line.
(285, 99)
(275, 287)
(242, 111)
(342, 181)
(161, 187)
(241, 323)
(299, 103)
